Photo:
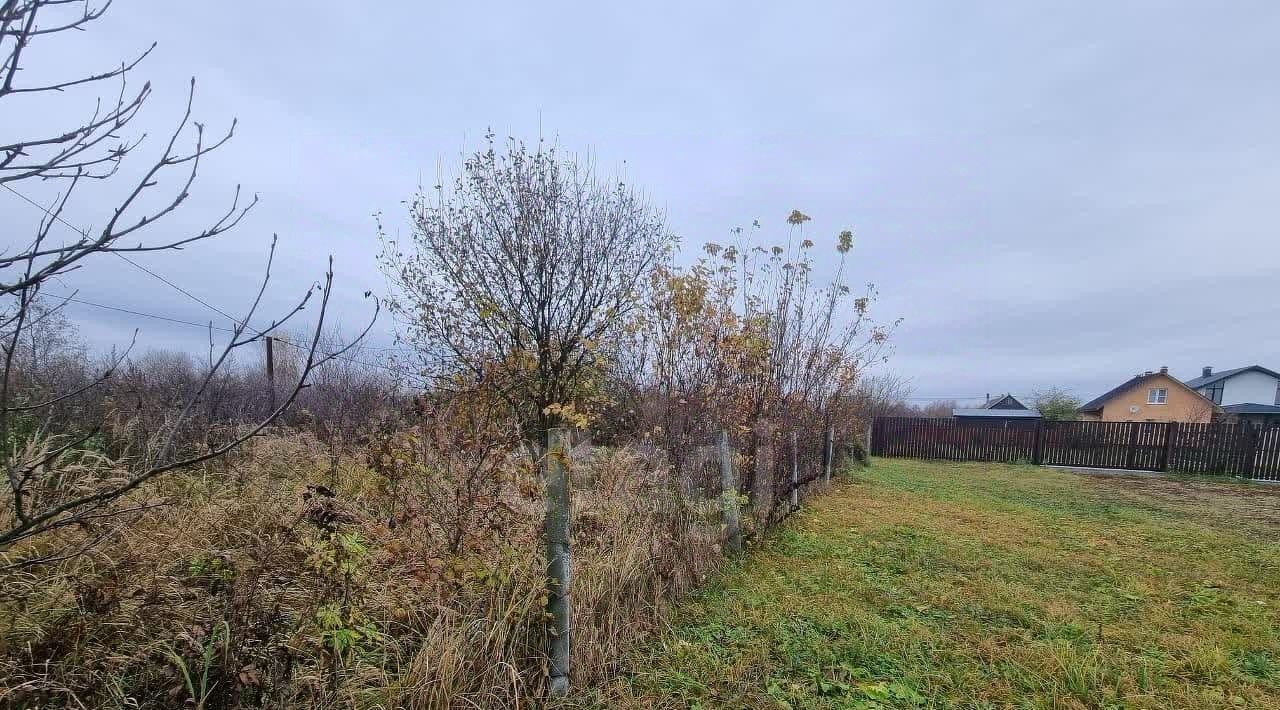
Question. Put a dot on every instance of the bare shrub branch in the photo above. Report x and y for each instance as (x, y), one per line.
(61, 476)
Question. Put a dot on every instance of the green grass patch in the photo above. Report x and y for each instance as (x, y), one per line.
(925, 584)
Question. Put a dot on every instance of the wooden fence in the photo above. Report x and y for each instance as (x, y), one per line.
(1229, 449)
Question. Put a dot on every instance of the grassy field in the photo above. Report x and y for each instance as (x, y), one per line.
(925, 584)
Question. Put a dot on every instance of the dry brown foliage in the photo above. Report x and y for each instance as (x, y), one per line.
(258, 585)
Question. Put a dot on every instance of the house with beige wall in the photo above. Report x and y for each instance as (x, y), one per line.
(1151, 397)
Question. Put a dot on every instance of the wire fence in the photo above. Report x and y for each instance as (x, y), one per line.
(761, 476)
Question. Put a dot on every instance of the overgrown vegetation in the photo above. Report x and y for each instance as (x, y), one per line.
(338, 530)
(60, 470)
(391, 559)
(259, 587)
(926, 584)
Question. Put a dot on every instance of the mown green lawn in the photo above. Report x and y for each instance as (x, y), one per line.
(925, 584)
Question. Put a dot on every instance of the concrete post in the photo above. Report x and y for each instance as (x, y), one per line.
(559, 568)
(729, 496)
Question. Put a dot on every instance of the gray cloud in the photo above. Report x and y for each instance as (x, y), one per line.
(1046, 194)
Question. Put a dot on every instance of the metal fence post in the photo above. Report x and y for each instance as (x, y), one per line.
(795, 471)
(828, 454)
(729, 496)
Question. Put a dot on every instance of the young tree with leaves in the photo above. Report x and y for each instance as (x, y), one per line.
(520, 275)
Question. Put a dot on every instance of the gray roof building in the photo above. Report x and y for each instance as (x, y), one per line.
(1003, 401)
(996, 413)
(1250, 393)
(1208, 376)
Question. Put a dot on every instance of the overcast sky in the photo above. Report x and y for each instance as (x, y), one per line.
(1046, 193)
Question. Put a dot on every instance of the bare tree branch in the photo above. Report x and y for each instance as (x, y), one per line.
(55, 479)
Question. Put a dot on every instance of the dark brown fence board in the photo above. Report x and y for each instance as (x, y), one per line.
(1232, 449)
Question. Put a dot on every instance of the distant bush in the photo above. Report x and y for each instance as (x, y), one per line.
(1056, 404)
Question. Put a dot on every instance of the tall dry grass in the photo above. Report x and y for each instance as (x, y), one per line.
(274, 583)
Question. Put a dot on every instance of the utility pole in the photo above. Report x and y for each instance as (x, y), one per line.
(271, 371)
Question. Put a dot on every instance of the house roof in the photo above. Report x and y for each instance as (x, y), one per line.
(1251, 409)
(1096, 404)
(994, 401)
(1199, 382)
(997, 413)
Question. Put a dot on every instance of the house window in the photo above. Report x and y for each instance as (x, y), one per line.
(1214, 392)
(1157, 395)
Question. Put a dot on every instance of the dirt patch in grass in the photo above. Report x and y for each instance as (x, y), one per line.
(1229, 500)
